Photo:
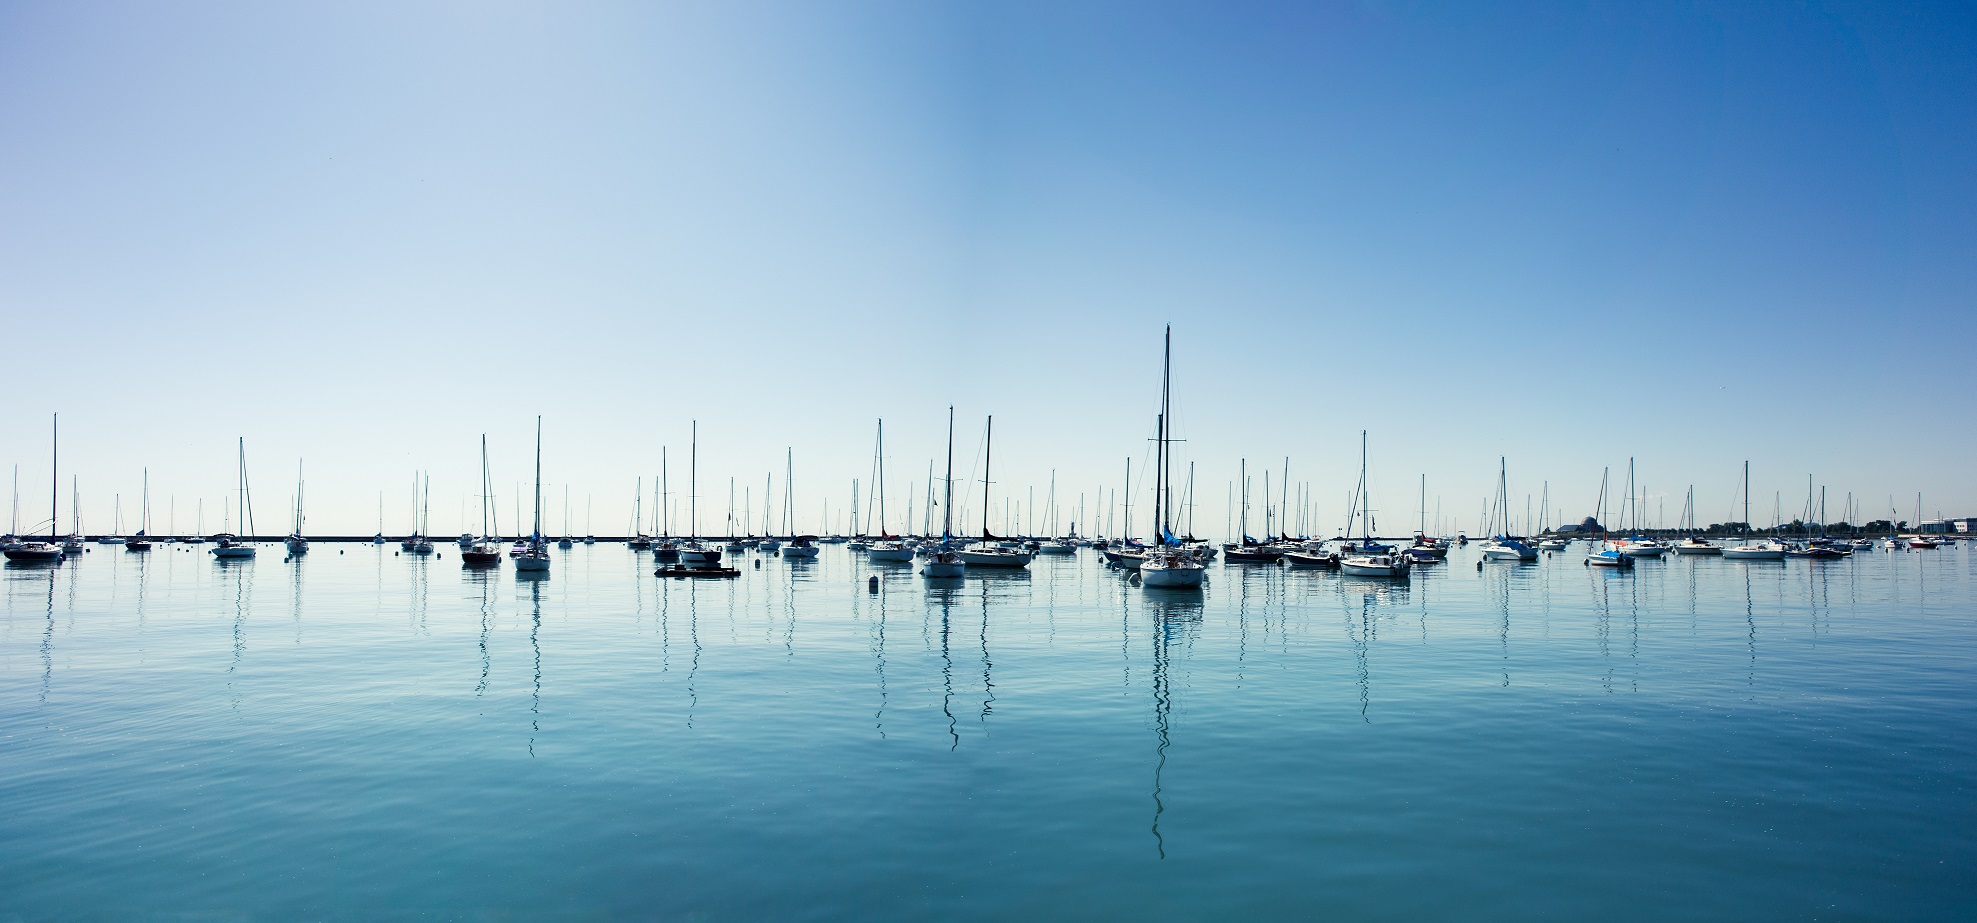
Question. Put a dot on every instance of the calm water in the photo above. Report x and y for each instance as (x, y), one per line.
(360, 735)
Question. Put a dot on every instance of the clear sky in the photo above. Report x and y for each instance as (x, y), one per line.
(361, 235)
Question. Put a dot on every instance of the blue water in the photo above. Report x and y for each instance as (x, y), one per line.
(360, 735)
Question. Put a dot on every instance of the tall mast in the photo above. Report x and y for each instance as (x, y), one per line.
(55, 477)
(537, 531)
(882, 478)
(947, 505)
(484, 487)
(665, 521)
(692, 484)
(988, 456)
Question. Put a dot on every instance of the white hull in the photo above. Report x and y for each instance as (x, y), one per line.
(943, 569)
(1164, 574)
(809, 551)
(1505, 553)
(236, 552)
(534, 562)
(1644, 551)
(1012, 559)
(1376, 566)
(1754, 554)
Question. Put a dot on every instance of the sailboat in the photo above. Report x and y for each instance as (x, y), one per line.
(800, 547)
(589, 537)
(116, 536)
(295, 542)
(73, 544)
(566, 542)
(142, 540)
(942, 560)
(486, 551)
(233, 547)
(693, 550)
(417, 543)
(1693, 544)
(377, 539)
(1368, 559)
(667, 549)
(1605, 553)
(992, 551)
(1167, 564)
(1762, 550)
(639, 542)
(886, 548)
(48, 552)
(536, 558)
(1504, 546)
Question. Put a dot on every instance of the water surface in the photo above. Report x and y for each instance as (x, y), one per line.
(363, 735)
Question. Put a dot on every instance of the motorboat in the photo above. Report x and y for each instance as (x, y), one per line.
(1324, 560)
(1057, 546)
(1375, 565)
(1815, 552)
(1552, 544)
(34, 553)
(1695, 545)
(1252, 554)
(1755, 551)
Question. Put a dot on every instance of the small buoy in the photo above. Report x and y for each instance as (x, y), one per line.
(1479, 565)
(339, 551)
(873, 584)
(758, 563)
(394, 554)
(440, 557)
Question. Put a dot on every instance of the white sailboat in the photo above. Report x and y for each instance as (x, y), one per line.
(536, 559)
(295, 543)
(800, 547)
(693, 550)
(1166, 564)
(1368, 558)
(992, 551)
(886, 548)
(50, 551)
(232, 547)
(941, 559)
(1760, 550)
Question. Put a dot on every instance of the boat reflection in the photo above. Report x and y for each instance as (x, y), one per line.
(1177, 615)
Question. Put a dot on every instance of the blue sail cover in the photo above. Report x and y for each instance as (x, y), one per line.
(1168, 538)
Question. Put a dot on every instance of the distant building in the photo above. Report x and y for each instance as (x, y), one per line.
(1588, 525)
(1946, 526)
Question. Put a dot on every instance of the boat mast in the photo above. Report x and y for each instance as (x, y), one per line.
(536, 533)
(947, 505)
(988, 454)
(692, 484)
(882, 477)
(55, 477)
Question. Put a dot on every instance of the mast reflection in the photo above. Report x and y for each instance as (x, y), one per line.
(1176, 613)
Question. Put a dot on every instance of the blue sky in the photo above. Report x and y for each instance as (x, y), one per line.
(362, 235)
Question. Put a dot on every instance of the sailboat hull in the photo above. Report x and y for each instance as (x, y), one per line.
(889, 554)
(1173, 574)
